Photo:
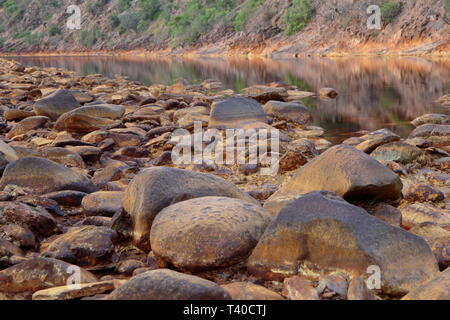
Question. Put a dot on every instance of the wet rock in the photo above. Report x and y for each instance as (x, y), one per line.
(250, 291)
(344, 170)
(103, 203)
(433, 118)
(67, 197)
(328, 93)
(357, 290)
(289, 111)
(88, 246)
(375, 139)
(234, 112)
(38, 274)
(168, 285)
(398, 151)
(436, 289)
(44, 176)
(321, 230)
(156, 188)
(70, 292)
(127, 267)
(207, 232)
(439, 240)
(422, 193)
(36, 219)
(297, 288)
(55, 104)
(26, 125)
(418, 213)
(438, 134)
(388, 214)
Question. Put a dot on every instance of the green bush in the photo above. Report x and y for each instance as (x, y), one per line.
(89, 38)
(2, 43)
(130, 20)
(390, 10)
(54, 30)
(10, 7)
(123, 5)
(151, 9)
(244, 13)
(114, 21)
(298, 16)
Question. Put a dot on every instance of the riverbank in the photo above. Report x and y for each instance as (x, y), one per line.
(91, 182)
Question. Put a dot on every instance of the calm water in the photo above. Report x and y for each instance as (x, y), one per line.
(374, 92)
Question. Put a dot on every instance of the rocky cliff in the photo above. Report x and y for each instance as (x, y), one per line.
(259, 27)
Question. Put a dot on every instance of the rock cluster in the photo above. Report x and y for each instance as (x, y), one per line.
(89, 186)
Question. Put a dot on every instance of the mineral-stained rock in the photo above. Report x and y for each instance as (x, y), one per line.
(83, 123)
(422, 193)
(297, 288)
(432, 118)
(156, 188)
(439, 240)
(397, 151)
(17, 114)
(165, 284)
(438, 134)
(333, 283)
(55, 104)
(321, 231)
(26, 125)
(17, 234)
(207, 232)
(75, 291)
(236, 111)
(40, 273)
(344, 170)
(103, 203)
(87, 246)
(436, 289)
(388, 214)
(250, 291)
(44, 176)
(289, 111)
(418, 213)
(375, 139)
(8, 249)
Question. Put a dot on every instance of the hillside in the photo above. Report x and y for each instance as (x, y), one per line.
(292, 27)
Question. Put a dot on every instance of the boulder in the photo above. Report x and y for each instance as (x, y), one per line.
(26, 125)
(437, 134)
(55, 104)
(348, 172)
(397, 151)
(8, 152)
(83, 123)
(297, 288)
(236, 111)
(320, 232)
(418, 213)
(156, 188)
(103, 203)
(207, 232)
(422, 193)
(289, 111)
(436, 289)
(371, 141)
(87, 246)
(431, 118)
(166, 284)
(250, 291)
(262, 94)
(44, 176)
(439, 240)
(40, 273)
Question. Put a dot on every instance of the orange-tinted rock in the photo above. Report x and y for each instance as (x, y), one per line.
(436, 289)
(297, 288)
(250, 291)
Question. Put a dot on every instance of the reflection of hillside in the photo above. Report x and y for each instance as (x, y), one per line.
(374, 92)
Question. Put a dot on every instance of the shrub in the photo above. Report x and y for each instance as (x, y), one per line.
(2, 43)
(298, 16)
(54, 30)
(114, 21)
(130, 20)
(244, 13)
(89, 38)
(10, 7)
(150, 9)
(390, 10)
(123, 5)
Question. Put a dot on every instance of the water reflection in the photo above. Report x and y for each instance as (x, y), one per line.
(374, 92)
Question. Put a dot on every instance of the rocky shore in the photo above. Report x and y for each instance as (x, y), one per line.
(92, 205)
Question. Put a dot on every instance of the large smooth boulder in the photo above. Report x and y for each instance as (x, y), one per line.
(157, 188)
(348, 172)
(236, 111)
(43, 176)
(87, 246)
(55, 104)
(436, 289)
(290, 111)
(207, 232)
(40, 273)
(322, 232)
(166, 284)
